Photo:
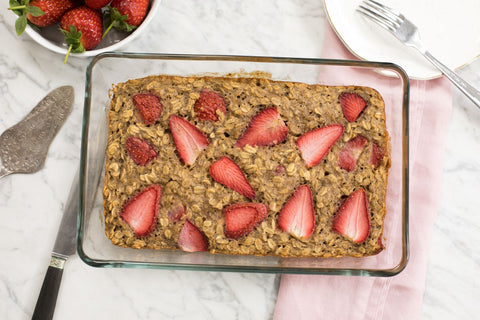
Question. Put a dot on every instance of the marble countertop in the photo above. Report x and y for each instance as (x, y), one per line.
(31, 205)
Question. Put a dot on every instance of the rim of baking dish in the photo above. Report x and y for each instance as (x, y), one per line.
(245, 268)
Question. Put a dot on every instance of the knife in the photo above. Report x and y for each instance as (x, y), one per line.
(64, 247)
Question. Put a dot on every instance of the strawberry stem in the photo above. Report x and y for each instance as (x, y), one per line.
(68, 54)
(108, 29)
(18, 7)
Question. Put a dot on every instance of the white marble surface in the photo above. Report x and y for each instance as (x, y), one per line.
(31, 205)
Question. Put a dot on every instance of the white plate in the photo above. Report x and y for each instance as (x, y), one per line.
(449, 29)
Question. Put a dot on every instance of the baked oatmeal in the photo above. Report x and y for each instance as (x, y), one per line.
(239, 165)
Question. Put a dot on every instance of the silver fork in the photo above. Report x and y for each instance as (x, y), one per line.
(407, 32)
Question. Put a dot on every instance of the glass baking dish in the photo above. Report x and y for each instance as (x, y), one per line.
(107, 69)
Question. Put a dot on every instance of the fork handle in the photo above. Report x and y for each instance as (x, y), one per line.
(472, 93)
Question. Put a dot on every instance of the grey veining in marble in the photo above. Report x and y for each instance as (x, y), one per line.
(31, 205)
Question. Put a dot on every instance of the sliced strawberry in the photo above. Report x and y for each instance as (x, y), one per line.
(315, 144)
(191, 239)
(298, 215)
(348, 156)
(176, 212)
(207, 105)
(149, 106)
(242, 218)
(279, 170)
(228, 173)
(377, 155)
(352, 219)
(189, 140)
(140, 150)
(141, 211)
(352, 104)
(379, 242)
(265, 129)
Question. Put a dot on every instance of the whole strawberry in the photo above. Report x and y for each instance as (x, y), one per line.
(41, 13)
(82, 28)
(96, 4)
(126, 15)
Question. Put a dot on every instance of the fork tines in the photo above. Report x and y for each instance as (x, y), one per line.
(385, 16)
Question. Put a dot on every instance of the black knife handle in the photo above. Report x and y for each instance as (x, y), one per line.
(47, 298)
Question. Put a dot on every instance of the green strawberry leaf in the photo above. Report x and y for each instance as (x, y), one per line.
(17, 7)
(21, 24)
(14, 3)
(117, 21)
(72, 38)
(35, 11)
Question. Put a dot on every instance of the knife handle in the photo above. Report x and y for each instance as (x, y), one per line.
(47, 298)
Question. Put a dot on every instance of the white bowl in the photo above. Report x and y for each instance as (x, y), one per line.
(52, 39)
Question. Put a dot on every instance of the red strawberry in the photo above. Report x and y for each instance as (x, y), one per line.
(82, 28)
(149, 106)
(352, 219)
(377, 155)
(96, 4)
(191, 239)
(228, 173)
(176, 212)
(189, 140)
(315, 144)
(265, 129)
(348, 156)
(41, 13)
(242, 218)
(297, 215)
(140, 150)
(207, 105)
(352, 104)
(126, 15)
(141, 211)
(279, 170)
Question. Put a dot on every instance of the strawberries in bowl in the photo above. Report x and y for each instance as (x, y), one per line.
(40, 19)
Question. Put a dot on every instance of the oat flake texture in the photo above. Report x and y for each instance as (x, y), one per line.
(302, 107)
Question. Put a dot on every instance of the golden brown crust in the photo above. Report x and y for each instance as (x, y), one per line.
(303, 107)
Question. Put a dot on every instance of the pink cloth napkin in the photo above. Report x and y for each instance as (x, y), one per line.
(399, 297)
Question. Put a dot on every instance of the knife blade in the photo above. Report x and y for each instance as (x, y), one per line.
(64, 247)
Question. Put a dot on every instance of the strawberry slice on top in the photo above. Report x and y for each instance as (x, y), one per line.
(149, 106)
(348, 156)
(141, 211)
(377, 155)
(188, 139)
(176, 212)
(297, 216)
(352, 105)
(265, 129)
(141, 152)
(228, 173)
(315, 144)
(191, 239)
(242, 218)
(209, 103)
(352, 219)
